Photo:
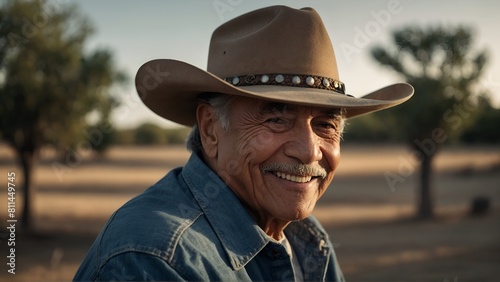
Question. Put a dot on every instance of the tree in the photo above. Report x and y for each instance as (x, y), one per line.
(486, 130)
(176, 136)
(445, 71)
(149, 134)
(49, 85)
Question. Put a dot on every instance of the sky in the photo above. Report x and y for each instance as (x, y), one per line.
(139, 31)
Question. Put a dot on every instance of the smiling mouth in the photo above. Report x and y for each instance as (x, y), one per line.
(297, 173)
(293, 178)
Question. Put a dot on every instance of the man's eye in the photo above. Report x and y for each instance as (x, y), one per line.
(328, 125)
(276, 120)
(278, 124)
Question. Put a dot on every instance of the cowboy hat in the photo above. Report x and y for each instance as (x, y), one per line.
(275, 53)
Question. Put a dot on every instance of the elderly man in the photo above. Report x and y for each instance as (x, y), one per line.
(268, 116)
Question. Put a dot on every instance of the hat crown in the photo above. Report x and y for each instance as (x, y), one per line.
(276, 39)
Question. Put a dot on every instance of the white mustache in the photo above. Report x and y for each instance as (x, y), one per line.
(296, 169)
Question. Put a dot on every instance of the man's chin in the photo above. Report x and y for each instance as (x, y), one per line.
(300, 214)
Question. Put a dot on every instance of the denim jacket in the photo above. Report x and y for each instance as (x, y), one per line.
(191, 226)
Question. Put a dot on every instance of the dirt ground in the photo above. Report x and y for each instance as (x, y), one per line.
(368, 211)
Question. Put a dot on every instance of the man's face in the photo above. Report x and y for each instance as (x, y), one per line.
(278, 158)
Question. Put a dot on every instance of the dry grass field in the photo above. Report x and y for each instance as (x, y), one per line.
(369, 220)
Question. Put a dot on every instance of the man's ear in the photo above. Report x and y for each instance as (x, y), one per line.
(207, 124)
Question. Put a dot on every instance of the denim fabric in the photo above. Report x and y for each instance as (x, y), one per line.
(191, 226)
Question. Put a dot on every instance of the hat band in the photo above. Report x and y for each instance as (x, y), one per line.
(296, 80)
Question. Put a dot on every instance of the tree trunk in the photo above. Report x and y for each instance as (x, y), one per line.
(27, 160)
(426, 203)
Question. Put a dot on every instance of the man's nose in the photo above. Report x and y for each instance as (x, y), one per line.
(304, 145)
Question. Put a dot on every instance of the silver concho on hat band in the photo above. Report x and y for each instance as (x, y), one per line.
(296, 80)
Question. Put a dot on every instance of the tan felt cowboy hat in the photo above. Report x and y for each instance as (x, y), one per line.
(276, 53)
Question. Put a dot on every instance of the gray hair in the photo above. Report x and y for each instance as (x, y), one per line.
(222, 106)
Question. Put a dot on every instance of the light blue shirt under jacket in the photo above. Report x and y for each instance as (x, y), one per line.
(191, 226)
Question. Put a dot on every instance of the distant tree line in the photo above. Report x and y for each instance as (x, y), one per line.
(147, 134)
(375, 128)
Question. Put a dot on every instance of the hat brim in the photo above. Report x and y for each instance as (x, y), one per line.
(170, 88)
